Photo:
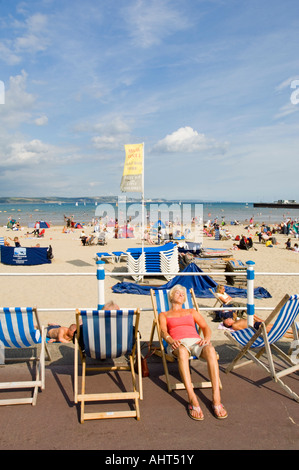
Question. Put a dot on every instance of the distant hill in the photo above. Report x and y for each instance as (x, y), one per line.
(71, 200)
(57, 200)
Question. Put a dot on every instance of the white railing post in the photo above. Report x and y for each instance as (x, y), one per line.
(2, 353)
(101, 284)
(250, 292)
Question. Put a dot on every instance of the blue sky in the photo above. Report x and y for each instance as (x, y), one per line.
(206, 85)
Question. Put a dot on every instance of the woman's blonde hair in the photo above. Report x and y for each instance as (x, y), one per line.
(219, 287)
(177, 287)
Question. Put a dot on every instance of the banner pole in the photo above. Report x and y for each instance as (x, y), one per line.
(142, 198)
(142, 206)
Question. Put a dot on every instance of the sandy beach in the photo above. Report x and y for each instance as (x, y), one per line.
(70, 292)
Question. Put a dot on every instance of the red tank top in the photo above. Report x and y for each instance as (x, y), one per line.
(182, 327)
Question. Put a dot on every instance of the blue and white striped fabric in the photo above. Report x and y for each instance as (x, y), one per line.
(2, 241)
(107, 334)
(17, 328)
(284, 320)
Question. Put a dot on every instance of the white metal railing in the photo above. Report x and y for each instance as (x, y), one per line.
(101, 274)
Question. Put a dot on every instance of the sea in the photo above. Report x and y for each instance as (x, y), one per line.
(85, 213)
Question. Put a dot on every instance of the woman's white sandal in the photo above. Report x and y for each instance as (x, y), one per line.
(217, 409)
(198, 410)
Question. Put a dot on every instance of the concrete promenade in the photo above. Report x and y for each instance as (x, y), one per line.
(261, 415)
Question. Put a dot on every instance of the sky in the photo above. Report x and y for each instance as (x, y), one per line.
(211, 87)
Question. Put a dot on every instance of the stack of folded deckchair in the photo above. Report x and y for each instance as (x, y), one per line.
(135, 263)
(236, 266)
(213, 265)
(169, 262)
(158, 259)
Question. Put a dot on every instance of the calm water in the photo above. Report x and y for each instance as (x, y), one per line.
(54, 213)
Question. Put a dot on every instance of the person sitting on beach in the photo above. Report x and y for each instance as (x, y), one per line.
(83, 237)
(288, 244)
(148, 238)
(265, 237)
(244, 245)
(227, 300)
(60, 334)
(17, 242)
(110, 306)
(179, 331)
(249, 243)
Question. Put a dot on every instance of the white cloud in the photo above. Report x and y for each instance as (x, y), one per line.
(187, 140)
(33, 39)
(41, 121)
(7, 55)
(18, 152)
(151, 22)
(286, 83)
(105, 142)
(32, 152)
(286, 111)
(18, 102)
(110, 133)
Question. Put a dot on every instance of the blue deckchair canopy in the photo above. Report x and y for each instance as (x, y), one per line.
(200, 285)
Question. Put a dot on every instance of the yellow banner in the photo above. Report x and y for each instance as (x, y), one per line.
(132, 179)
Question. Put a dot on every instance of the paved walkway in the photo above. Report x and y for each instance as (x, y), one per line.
(261, 415)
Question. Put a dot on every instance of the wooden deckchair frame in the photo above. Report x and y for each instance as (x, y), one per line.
(160, 350)
(136, 394)
(39, 369)
(254, 354)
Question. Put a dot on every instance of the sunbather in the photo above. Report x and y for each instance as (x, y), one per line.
(178, 329)
(241, 324)
(60, 334)
(227, 300)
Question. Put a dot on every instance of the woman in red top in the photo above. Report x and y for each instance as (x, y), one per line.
(179, 331)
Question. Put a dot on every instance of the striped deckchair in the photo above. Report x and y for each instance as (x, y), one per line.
(255, 344)
(1, 244)
(17, 330)
(103, 336)
(160, 304)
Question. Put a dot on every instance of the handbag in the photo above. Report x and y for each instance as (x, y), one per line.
(144, 366)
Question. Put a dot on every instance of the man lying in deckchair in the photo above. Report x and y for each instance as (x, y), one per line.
(242, 323)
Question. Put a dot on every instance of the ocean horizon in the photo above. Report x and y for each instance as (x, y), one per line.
(84, 213)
